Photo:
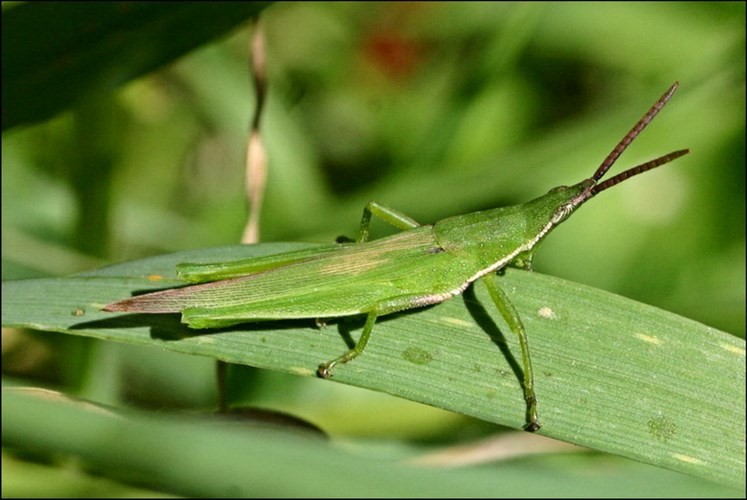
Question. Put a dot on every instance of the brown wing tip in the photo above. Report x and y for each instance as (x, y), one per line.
(119, 306)
(151, 303)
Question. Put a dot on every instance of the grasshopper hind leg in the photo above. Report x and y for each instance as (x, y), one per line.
(511, 315)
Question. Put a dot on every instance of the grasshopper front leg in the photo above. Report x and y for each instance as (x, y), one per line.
(511, 315)
(388, 215)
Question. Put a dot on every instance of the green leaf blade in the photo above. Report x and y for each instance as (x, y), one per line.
(611, 374)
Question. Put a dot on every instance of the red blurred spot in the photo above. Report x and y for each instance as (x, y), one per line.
(396, 56)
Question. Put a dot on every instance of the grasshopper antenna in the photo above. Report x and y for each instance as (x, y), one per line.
(598, 188)
(637, 129)
(595, 188)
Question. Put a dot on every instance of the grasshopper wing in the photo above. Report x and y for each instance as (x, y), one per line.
(402, 271)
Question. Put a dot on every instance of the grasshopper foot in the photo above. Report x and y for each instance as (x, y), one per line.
(325, 369)
(532, 424)
(532, 427)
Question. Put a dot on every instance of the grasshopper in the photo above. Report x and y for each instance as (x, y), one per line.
(419, 266)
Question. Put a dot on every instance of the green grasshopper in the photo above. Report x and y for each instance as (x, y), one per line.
(420, 266)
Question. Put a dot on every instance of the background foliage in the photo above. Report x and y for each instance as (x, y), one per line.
(435, 108)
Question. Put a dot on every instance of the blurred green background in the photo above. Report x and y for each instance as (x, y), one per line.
(124, 135)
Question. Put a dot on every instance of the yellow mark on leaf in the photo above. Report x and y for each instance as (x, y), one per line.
(547, 313)
(687, 458)
(300, 370)
(456, 321)
(648, 338)
(155, 277)
(734, 349)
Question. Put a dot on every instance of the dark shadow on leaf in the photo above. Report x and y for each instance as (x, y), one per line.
(346, 326)
(169, 327)
(166, 321)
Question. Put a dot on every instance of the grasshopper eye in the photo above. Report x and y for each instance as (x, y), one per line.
(562, 213)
